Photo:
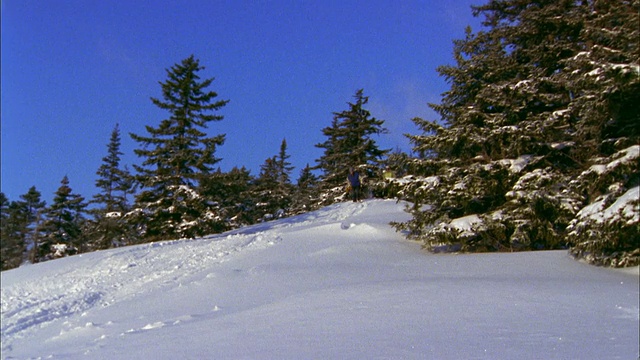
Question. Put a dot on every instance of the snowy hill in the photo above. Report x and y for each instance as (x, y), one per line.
(338, 283)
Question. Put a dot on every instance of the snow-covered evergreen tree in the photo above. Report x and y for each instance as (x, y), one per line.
(19, 228)
(306, 192)
(230, 192)
(542, 90)
(109, 228)
(394, 167)
(273, 188)
(33, 209)
(349, 144)
(112, 179)
(11, 243)
(605, 232)
(62, 227)
(177, 154)
(284, 165)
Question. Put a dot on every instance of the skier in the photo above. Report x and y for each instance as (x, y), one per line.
(354, 182)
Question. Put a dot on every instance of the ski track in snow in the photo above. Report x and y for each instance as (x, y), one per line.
(127, 272)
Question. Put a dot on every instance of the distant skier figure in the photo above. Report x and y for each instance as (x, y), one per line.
(354, 183)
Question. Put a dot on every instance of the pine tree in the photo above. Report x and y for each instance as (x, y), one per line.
(11, 244)
(109, 228)
(178, 153)
(19, 227)
(349, 144)
(33, 208)
(112, 180)
(266, 193)
(396, 166)
(62, 227)
(273, 190)
(523, 116)
(231, 193)
(284, 166)
(604, 79)
(306, 192)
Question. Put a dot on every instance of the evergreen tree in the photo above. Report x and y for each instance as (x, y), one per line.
(112, 180)
(19, 227)
(4, 212)
(284, 166)
(305, 195)
(523, 116)
(266, 192)
(33, 204)
(604, 80)
(62, 226)
(109, 228)
(349, 144)
(177, 155)
(11, 246)
(272, 190)
(231, 194)
(33, 208)
(395, 167)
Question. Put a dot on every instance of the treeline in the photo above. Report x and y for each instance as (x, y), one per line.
(177, 192)
(537, 147)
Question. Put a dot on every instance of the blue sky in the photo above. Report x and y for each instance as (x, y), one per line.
(72, 69)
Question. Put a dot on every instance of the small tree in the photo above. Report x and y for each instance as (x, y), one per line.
(11, 241)
(33, 208)
(305, 194)
(63, 224)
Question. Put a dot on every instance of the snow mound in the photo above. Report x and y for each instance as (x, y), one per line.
(335, 283)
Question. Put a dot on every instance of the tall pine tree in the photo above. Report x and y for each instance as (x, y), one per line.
(284, 166)
(533, 99)
(113, 181)
(177, 154)
(110, 228)
(349, 143)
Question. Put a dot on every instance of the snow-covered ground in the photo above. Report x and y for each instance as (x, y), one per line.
(338, 283)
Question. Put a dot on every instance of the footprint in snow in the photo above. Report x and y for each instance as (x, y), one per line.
(347, 225)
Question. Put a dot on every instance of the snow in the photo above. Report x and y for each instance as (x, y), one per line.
(627, 155)
(625, 207)
(465, 224)
(338, 283)
(517, 165)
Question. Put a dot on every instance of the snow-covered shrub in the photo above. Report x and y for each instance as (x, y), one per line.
(515, 206)
(605, 231)
(62, 250)
(539, 207)
(456, 193)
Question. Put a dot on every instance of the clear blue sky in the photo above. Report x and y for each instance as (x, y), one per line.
(72, 69)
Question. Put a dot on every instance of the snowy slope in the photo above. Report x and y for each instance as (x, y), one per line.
(338, 283)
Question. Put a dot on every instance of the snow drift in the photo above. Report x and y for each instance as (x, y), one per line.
(336, 283)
